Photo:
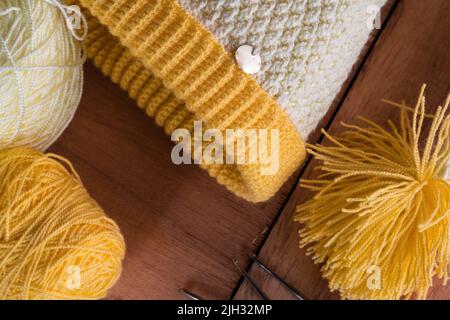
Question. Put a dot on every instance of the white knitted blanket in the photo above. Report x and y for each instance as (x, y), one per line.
(308, 47)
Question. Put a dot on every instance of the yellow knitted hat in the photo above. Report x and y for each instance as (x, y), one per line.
(177, 71)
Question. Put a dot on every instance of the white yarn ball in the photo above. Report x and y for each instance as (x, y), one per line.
(41, 75)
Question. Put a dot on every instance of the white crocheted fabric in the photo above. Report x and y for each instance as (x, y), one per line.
(308, 47)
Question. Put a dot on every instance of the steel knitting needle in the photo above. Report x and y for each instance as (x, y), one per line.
(292, 290)
(190, 295)
(250, 280)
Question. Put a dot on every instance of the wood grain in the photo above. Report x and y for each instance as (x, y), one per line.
(181, 228)
(413, 49)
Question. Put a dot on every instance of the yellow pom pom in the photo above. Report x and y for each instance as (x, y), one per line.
(55, 241)
(41, 72)
(382, 205)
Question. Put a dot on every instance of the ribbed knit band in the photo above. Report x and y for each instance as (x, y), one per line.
(179, 73)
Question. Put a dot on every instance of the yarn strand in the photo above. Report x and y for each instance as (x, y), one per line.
(9, 10)
(65, 9)
(41, 71)
(48, 224)
(382, 202)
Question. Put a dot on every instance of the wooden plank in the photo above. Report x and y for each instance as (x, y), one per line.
(413, 49)
(181, 228)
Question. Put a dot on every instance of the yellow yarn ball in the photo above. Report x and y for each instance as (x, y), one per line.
(380, 220)
(55, 241)
(41, 73)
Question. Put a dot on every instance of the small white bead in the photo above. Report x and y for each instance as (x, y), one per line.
(247, 61)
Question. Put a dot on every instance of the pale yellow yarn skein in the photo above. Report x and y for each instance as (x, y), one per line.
(41, 75)
(55, 241)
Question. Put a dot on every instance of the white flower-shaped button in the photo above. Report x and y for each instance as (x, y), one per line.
(246, 60)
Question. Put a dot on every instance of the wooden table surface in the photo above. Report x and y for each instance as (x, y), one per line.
(181, 228)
